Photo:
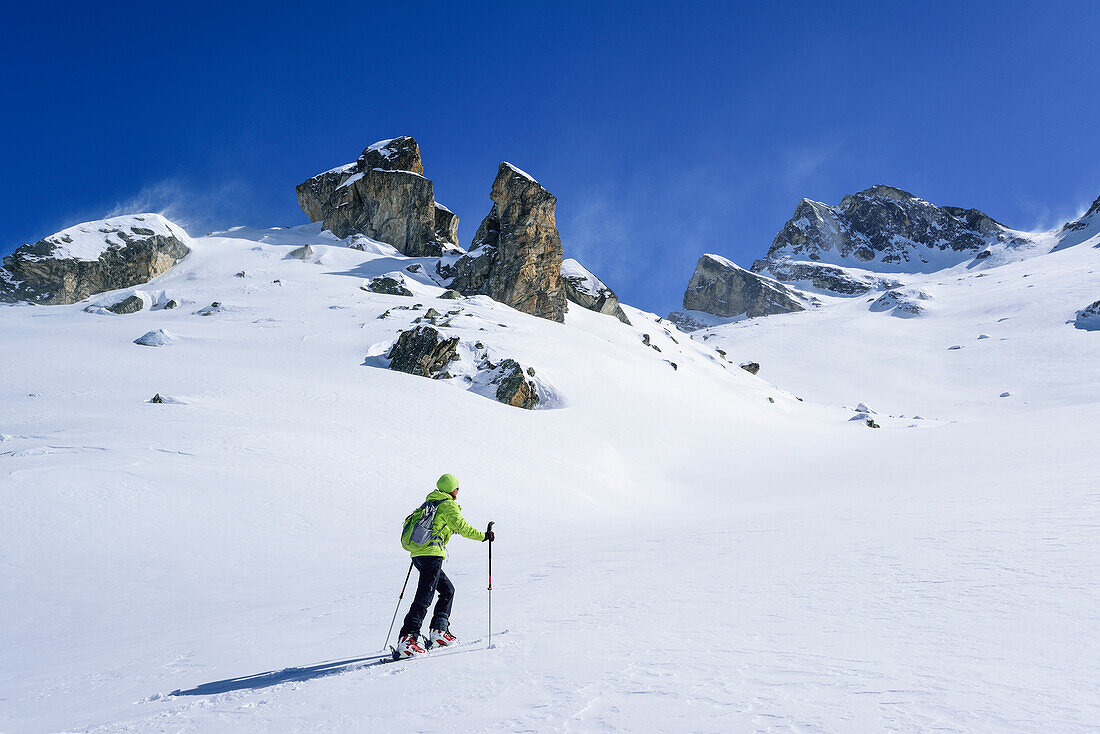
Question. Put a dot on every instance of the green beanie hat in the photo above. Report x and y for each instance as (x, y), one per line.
(447, 483)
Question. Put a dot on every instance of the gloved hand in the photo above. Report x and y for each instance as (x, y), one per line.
(490, 536)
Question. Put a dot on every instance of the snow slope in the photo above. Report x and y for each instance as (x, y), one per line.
(1007, 329)
(675, 552)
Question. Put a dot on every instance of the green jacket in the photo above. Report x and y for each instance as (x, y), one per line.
(448, 520)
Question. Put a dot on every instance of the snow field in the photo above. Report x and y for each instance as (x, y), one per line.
(675, 553)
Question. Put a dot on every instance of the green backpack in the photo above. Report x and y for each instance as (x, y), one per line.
(416, 533)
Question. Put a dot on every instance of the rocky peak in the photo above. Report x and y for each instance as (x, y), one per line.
(93, 257)
(878, 191)
(385, 196)
(884, 228)
(397, 154)
(516, 255)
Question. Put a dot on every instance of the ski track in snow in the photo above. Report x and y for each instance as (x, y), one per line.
(674, 553)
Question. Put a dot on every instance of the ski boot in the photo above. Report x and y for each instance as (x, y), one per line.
(441, 638)
(408, 646)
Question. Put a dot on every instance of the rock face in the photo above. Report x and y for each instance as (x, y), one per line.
(445, 224)
(422, 351)
(587, 291)
(516, 255)
(1088, 318)
(884, 228)
(91, 258)
(385, 196)
(721, 288)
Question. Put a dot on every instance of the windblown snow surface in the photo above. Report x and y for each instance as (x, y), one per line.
(675, 551)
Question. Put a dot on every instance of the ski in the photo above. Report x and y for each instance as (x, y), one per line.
(460, 646)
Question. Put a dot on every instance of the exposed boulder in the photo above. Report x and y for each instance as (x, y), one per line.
(1088, 318)
(391, 284)
(513, 387)
(751, 367)
(91, 258)
(384, 196)
(130, 304)
(304, 252)
(450, 294)
(901, 303)
(516, 255)
(721, 288)
(156, 338)
(587, 291)
(422, 351)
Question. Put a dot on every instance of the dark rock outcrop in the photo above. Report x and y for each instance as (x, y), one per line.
(587, 291)
(130, 304)
(721, 288)
(1088, 318)
(516, 255)
(390, 285)
(385, 196)
(513, 387)
(91, 258)
(422, 351)
(751, 367)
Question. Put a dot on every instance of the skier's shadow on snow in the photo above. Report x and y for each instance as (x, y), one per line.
(275, 677)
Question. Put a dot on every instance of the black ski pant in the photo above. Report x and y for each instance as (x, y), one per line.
(432, 579)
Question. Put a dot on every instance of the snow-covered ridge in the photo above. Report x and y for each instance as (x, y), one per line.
(346, 168)
(88, 240)
(520, 171)
(582, 278)
(723, 261)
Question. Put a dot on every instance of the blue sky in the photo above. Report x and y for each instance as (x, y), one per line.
(665, 129)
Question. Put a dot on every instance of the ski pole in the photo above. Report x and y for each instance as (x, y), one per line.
(489, 530)
(395, 611)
